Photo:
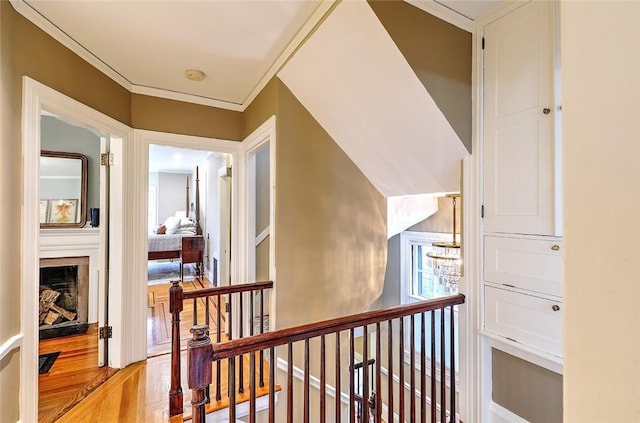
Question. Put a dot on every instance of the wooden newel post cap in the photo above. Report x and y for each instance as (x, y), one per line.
(176, 296)
(200, 350)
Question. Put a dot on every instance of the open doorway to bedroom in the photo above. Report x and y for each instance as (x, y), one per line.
(186, 203)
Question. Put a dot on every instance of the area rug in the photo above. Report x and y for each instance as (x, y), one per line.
(45, 361)
(159, 272)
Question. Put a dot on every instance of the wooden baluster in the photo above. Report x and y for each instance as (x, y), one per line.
(206, 310)
(195, 311)
(412, 366)
(401, 370)
(231, 392)
(338, 412)
(305, 398)
(378, 390)
(443, 367)
(241, 335)
(289, 383)
(272, 386)
(390, 365)
(423, 368)
(252, 387)
(452, 357)
(261, 331)
(199, 370)
(352, 367)
(434, 410)
(230, 317)
(218, 340)
(364, 412)
(251, 312)
(175, 307)
(323, 381)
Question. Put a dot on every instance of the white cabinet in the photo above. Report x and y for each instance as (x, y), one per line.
(521, 226)
(530, 264)
(527, 319)
(521, 172)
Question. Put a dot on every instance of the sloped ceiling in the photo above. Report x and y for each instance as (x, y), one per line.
(355, 82)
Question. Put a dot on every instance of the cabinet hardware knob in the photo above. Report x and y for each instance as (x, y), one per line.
(555, 247)
(555, 307)
(546, 110)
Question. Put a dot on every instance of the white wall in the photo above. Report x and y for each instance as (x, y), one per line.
(601, 150)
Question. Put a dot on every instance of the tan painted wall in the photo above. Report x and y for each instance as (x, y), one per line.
(159, 114)
(331, 242)
(600, 97)
(261, 108)
(529, 391)
(440, 55)
(10, 151)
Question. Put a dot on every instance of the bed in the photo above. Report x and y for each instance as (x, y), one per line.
(166, 243)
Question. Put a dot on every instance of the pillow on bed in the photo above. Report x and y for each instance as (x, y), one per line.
(161, 230)
(172, 223)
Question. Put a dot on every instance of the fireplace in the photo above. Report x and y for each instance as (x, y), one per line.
(64, 296)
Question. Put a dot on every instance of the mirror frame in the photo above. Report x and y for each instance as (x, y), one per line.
(83, 188)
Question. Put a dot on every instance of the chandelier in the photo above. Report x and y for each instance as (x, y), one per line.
(445, 256)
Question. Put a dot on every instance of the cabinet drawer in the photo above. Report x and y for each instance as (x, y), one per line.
(531, 264)
(524, 318)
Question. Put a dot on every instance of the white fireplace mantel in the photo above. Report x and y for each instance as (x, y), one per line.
(76, 242)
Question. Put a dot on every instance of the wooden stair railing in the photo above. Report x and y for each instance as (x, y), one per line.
(371, 383)
(177, 297)
(202, 353)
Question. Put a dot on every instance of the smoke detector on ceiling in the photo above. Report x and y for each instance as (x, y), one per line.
(194, 75)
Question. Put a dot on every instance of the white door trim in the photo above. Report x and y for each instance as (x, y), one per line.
(140, 180)
(35, 98)
(264, 135)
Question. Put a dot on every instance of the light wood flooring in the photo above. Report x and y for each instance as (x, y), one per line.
(76, 390)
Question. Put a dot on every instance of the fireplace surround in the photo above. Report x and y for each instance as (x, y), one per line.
(64, 296)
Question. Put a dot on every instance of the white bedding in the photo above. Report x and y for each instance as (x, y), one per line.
(166, 242)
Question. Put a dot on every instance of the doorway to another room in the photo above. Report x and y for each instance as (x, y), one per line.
(186, 203)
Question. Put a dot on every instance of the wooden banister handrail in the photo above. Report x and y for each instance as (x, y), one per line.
(177, 298)
(312, 330)
(229, 289)
(365, 401)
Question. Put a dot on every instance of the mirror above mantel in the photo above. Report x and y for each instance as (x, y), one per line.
(63, 189)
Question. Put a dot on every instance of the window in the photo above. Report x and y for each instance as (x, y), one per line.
(418, 283)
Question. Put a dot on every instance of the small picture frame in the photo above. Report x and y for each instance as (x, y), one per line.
(44, 211)
(63, 211)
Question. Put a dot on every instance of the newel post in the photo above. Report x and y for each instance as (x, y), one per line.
(200, 374)
(175, 307)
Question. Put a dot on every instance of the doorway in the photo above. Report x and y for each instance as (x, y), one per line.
(39, 104)
(184, 199)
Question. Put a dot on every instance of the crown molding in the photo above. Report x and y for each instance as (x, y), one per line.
(304, 32)
(23, 8)
(63, 38)
(187, 98)
(448, 15)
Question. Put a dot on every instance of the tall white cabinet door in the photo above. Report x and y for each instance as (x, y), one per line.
(519, 179)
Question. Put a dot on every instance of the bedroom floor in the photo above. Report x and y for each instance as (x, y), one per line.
(159, 317)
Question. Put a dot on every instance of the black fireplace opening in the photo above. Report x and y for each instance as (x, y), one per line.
(61, 309)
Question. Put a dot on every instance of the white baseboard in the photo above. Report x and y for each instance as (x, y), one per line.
(499, 414)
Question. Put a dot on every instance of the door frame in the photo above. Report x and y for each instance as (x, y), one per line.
(139, 204)
(35, 98)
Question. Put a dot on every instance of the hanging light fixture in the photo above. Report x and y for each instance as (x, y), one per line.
(447, 261)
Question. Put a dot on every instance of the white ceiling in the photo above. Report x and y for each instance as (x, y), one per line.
(175, 160)
(147, 45)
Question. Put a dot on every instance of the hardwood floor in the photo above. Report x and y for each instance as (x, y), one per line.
(75, 374)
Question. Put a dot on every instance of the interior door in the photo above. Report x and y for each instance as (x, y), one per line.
(224, 190)
(518, 122)
(103, 276)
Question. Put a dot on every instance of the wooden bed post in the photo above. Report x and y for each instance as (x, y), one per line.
(198, 228)
(186, 208)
